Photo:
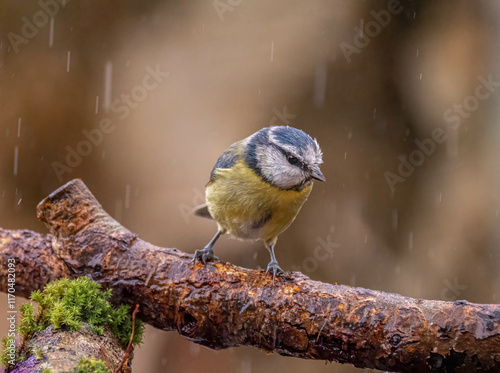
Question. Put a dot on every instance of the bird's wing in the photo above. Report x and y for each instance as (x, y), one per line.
(226, 160)
(202, 210)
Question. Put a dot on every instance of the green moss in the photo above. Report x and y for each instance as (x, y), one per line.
(69, 303)
(46, 370)
(9, 356)
(91, 366)
(72, 302)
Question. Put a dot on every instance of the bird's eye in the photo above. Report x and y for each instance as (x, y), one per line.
(292, 160)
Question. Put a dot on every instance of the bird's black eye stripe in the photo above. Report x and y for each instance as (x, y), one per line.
(292, 160)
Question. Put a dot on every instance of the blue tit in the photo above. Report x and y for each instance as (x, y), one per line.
(258, 186)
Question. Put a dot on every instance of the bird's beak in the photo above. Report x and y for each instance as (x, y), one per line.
(317, 174)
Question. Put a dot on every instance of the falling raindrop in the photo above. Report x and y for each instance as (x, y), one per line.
(108, 71)
(345, 155)
(255, 254)
(452, 143)
(395, 220)
(96, 104)
(274, 335)
(51, 32)
(151, 273)
(19, 202)
(16, 159)
(127, 196)
(366, 238)
(320, 85)
(19, 127)
(374, 112)
(418, 51)
(246, 365)
(272, 51)
(420, 76)
(68, 61)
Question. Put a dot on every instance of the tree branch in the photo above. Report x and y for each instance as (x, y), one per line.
(62, 350)
(221, 305)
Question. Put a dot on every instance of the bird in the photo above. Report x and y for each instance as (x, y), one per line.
(258, 186)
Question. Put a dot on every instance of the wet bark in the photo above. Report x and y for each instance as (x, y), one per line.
(221, 305)
(62, 350)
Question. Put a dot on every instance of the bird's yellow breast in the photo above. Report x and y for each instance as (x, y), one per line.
(247, 207)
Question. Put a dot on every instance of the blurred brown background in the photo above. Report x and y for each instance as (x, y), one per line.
(367, 79)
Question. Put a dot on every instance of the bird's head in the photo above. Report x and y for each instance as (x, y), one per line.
(285, 157)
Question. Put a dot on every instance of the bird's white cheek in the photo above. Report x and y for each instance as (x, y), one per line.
(288, 178)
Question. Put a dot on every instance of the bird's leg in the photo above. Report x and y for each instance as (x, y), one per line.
(273, 266)
(207, 254)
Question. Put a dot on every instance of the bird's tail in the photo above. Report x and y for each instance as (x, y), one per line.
(202, 211)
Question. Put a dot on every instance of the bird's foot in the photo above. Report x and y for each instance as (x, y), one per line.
(205, 255)
(274, 268)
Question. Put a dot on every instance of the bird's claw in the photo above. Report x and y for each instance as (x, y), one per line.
(204, 256)
(274, 268)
